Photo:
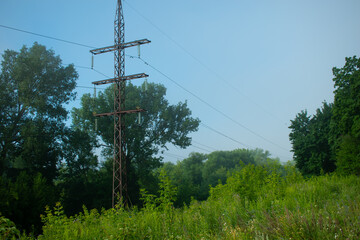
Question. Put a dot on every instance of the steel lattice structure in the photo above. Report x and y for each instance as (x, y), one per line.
(120, 163)
(120, 181)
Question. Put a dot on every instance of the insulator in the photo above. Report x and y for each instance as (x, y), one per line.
(94, 92)
(96, 124)
(92, 61)
(146, 84)
(138, 51)
(139, 118)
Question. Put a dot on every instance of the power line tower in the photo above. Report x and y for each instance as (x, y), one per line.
(120, 181)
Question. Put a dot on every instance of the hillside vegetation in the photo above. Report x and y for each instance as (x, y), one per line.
(257, 202)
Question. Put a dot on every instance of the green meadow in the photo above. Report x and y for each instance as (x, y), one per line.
(257, 202)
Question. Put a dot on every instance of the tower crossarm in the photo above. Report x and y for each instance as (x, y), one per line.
(119, 46)
(118, 79)
(121, 112)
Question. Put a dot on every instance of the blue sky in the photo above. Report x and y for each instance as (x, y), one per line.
(258, 62)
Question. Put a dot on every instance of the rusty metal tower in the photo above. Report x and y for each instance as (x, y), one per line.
(120, 181)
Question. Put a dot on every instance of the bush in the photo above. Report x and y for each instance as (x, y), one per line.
(8, 229)
(256, 203)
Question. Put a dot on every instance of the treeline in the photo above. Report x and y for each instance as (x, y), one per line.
(195, 175)
(329, 140)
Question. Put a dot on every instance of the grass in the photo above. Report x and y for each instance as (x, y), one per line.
(255, 203)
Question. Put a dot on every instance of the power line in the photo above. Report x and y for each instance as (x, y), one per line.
(157, 70)
(218, 76)
(174, 156)
(45, 36)
(214, 149)
(93, 69)
(194, 146)
(232, 139)
(89, 68)
(87, 46)
(222, 134)
(90, 87)
(210, 106)
(58, 39)
(166, 35)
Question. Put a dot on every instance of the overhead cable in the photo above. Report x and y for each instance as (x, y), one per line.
(211, 106)
(233, 87)
(157, 70)
(45, 36)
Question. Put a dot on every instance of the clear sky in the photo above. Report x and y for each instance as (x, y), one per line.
(259, 62)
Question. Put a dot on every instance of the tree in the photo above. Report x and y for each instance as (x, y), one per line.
(24, 199)
(299, 140)
(330, 139)
(345, 122)
(162, 124)
(194, 175)
(34, 86)
(322, 155)
(220, 162)
(310, 140)
(186, 175)
(79, 174)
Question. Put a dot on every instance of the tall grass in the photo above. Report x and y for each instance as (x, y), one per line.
(255, 203)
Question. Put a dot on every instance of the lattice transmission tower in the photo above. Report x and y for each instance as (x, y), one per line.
(120, 165)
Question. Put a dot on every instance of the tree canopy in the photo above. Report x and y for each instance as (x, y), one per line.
(310, 139)
(195, 175)
(160, 125)
(345, 122)
(34, 86)
(330, 139)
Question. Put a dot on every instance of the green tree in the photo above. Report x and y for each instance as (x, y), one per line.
(186, 175)
(160, 125)
(24, 199)
(34, 86)
(220, 162)
(299, 140)
(310, 140)
(194, 175)
(322, 155)
(345, 122)
(78, 174)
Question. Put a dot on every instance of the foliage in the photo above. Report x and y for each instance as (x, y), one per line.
(348, 156)
(167, 191)
(166, 198)
(8, 229)
(310, 139)
(34, 86)
(161, 124)
(274, 205)
(195, 175)
(330, 139)
(25, 199)
(219, 162)
(345, 122)
(187, 176)
(78, 176)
